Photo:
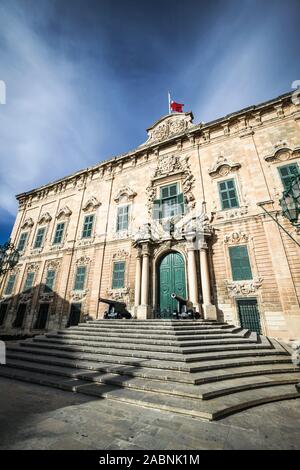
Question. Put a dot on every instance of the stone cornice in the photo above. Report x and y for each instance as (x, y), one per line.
(203, 131)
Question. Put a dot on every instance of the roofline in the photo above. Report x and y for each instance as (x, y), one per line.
(143, 147)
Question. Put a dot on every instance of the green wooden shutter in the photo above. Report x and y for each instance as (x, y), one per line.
(287, 173)
(180, 202)
(157, 209)
(240, 264)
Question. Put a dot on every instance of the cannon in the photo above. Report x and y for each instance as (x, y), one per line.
(115, 309)
(185, 308)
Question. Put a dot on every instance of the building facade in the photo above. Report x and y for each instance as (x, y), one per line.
(178, 214)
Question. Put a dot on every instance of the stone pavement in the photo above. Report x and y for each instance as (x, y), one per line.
(37, 417)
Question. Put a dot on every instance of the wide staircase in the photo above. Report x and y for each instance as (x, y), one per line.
(200, 368)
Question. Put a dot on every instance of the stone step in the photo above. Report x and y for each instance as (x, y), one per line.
(128, 340)
(205, 409)
(138, 353)
(152, 347)
(162, 386)
(137, 362)
(176, 324)
(150, 373)
(173, 364)
(156, 331)
(210, 376)
(237, 334)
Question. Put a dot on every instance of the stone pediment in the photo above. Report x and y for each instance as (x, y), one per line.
(169, 126)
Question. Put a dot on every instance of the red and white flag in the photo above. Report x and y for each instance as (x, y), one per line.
(174, 107)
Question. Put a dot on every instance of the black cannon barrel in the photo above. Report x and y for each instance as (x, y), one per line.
(180, 299)
(114, 303)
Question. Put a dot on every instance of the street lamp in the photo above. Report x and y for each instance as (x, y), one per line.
(9, 257)
(290, 201)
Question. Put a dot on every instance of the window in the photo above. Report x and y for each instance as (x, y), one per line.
(19, 320)
(171, 202)
(240, 264)
(22, 241)
(10, 284)
(118, 275)
(228, 194)
(42, 317)
(87, 226)
(3, 310)
(49, 281)
(59, 233)
(28, 282)
(80, 278)
(122, 218)
(39, 238)
(287, 173)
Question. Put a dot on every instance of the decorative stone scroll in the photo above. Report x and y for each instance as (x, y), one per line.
(64, 212)
(91, 204)
(236, 237)
(125, 193)
(83, 261)
(120, 255)
(45, 218)
(243, 288)
(28, 223)
(282, 153)
(223, 166)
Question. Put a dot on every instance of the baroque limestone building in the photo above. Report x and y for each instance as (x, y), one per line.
(178, 214)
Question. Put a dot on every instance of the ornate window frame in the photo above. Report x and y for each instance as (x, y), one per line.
(124, 197)
(242, 288)
(63, 216)
(119, 293)
(79, 295)
(282, 155)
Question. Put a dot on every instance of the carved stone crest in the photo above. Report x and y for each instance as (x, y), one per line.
(83, 261)
(168, 126)
(120, 254)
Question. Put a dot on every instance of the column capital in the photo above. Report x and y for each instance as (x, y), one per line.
(203, 246)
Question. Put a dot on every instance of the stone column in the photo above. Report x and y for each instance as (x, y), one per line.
(208, 309)
(145, 280)
(143, 310)
(192, 276)
(137, 289)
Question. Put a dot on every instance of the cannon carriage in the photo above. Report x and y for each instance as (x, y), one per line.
(185, 308)
(116, 310)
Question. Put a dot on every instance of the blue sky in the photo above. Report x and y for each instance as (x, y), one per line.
(85, 78)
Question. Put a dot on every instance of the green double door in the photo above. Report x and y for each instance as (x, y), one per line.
(171, 278)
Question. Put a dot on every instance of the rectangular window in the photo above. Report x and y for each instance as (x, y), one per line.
(3, 310)
(118, 275)
(49, 281)
(59, 233)
(228, 194)
(240, 263)
(39, 237)
(10, 284)
(171, 202)
(122, 218)
(287, 173)
(87, 226)
(19, 320)
(42, 317)
(22, 241)
(80, 278)
(28, 282)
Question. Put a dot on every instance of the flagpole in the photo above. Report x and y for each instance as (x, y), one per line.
(169, 99)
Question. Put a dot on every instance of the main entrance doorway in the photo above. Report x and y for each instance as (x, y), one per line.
(171, 278)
